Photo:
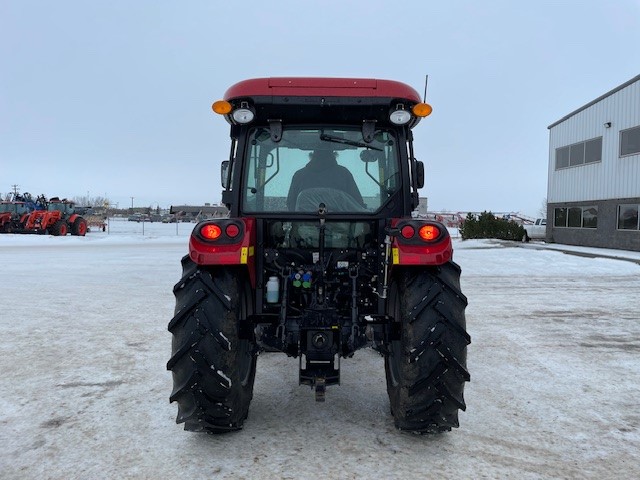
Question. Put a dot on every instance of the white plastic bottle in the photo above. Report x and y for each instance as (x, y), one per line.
(273, 290)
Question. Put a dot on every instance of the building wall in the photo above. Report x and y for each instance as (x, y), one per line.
(614, 176)
(605, 184)
(606, 235)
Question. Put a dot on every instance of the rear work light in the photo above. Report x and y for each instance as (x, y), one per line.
(244, 114)
(211, 231)
(400, 116)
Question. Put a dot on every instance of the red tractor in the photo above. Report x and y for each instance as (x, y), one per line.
(12, 216)
(58, 219)
(320, 257)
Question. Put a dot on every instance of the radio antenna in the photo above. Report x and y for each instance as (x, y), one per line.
(426, 81)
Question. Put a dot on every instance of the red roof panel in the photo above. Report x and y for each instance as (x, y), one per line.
(321, 87)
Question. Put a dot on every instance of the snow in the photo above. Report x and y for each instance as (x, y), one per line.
(555, 373)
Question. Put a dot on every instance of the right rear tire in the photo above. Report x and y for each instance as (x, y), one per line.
(60, 228)
(213, 368)
(79, 227)
(426, 368)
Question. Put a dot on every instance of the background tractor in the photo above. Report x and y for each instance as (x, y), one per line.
(320, 257)
(15, 211)
(12, 214)
(57, 217)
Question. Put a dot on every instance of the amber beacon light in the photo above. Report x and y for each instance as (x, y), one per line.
(422, 109)
(221, 107)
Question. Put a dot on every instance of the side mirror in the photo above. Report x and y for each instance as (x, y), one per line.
(224, 174)
(419, 174)
(368, 156)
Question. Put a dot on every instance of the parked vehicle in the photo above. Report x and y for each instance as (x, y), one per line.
(58, 218)
(12, 215)
(320, 264)
(537, 230)
(139, 217)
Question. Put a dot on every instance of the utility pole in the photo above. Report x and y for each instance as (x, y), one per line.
(132, 202)
(15, 189)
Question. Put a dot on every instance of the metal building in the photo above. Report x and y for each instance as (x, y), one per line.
(593, 196)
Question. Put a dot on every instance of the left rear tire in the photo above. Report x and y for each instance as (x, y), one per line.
(213, 368)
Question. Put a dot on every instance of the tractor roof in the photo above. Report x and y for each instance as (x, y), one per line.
(321, 87)
(321, 100)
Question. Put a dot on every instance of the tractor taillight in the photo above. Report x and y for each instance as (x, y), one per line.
(232, 230)
(407, 231)
(428, 233)
(211, 231)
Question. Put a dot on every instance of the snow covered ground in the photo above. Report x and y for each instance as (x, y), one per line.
(554, 362)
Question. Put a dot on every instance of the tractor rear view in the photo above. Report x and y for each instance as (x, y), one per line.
(320, 257)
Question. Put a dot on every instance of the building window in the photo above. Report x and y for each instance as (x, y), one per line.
(593, 151)
(630, 141)
(581, 153)
(562, 157)
(590, 217)
(628, 217)
(576, 217)
(560, 217)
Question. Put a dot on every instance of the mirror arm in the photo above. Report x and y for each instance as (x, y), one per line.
(368, 130)
(275, 129)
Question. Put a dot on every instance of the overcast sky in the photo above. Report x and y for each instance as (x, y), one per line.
(113, 98)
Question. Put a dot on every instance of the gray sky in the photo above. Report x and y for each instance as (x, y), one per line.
(113, 98)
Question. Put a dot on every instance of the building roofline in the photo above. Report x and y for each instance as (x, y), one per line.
(593, 102)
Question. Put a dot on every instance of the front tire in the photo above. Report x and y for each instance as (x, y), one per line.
(426, 368)
(213, 368)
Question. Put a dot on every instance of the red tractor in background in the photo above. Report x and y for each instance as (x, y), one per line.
(12, 216)
(58, 219)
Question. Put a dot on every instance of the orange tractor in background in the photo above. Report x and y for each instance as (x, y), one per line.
(59, 218)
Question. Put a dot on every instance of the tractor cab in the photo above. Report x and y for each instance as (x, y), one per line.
(65, 207)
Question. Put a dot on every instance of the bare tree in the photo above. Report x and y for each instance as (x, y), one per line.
(543, 208)
(87, 201)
